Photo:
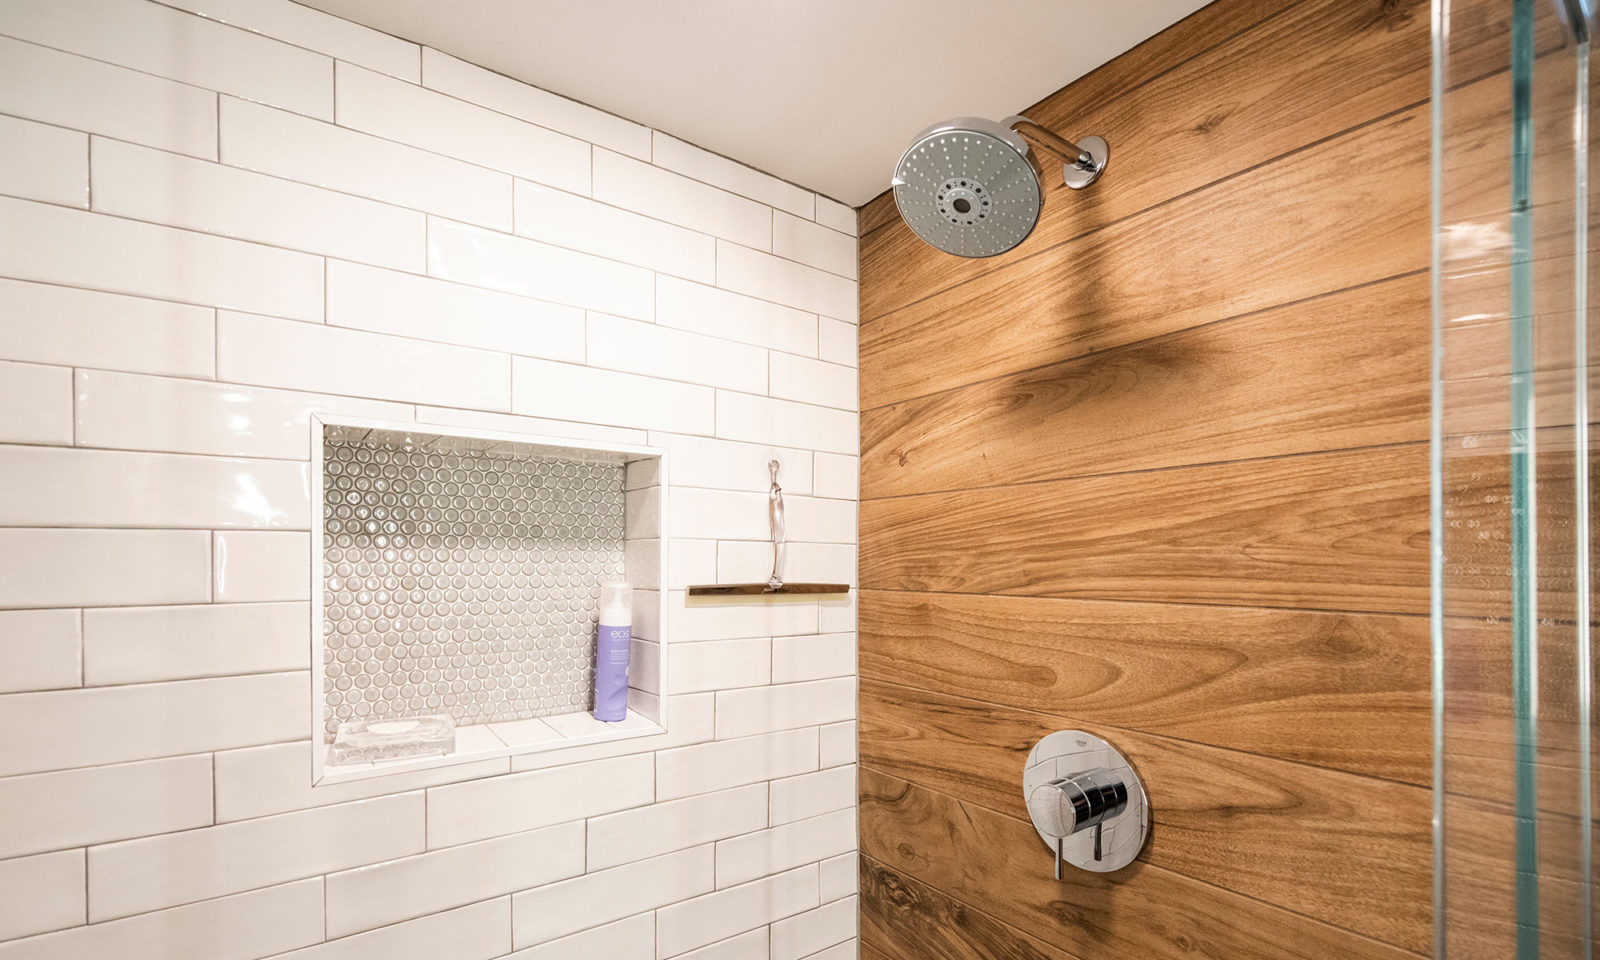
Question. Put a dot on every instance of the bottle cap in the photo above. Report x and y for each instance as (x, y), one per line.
(616, 603)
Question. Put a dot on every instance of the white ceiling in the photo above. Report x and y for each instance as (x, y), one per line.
(824, 93)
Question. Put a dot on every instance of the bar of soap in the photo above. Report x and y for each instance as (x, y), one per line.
(366, 741)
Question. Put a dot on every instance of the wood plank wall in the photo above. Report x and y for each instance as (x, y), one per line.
(1161, 474)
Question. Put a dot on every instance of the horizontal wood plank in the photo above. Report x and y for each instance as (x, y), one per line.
(1346, 370)
(1348, 691)
(1337, 531)
(1157, 272)
(1315, 70)
(915, 921)
(997, 864)
(1253, 825)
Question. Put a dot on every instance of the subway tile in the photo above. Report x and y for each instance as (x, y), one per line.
(750, 945)
(733, 316)
(304, 27)
(814, 381)
(578, 223)
(44, 163)
(384, 301)
(821, 520)
(32, 407)
(837, 744)
(719, 665)
(400, 111)
(416, 886)
(847, 950)
(839, 875)
(71, 91)
(71, 568)
(261, 781)
(722, 620)
(707, 167)
(464, 812)
(473, 83)
(62, 730)
(644, 666)
(170, 43)
(655, 192)
(837, 613)
(568, 392)
(518, 733)
(642, 560)
(136, 876)
(642, 473)
(482, 258)
(634, 346)
(643, 512)
(252, 566)
(719, 514)
(561, 909)
(51, 324)
(809, 933)
(303, 356)
(535, 426)
(741, 416)
(755, 710)
(246, 926)
(178, 191)
(131, 412)
(631, 835)
(630, 939)
(838, 476)
(813, 658)
(732, 465)
(763, 275)
(813, 794)
(707, 767)
(478, 931)
(717, 916)
(41, 893)
(739, 561)
(84, 488)
(299, 148)
(836, 216)
(41, 650)
(813, 245)
(76, 248)
(730, 515)
(147, 644)
(691, 721)
(690, 562)
(837, 342)
(74, 808)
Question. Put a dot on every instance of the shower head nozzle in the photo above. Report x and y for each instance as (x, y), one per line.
(968, 187)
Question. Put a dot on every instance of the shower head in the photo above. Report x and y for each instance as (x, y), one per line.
(968, 187)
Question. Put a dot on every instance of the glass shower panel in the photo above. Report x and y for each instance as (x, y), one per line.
(1513, 664)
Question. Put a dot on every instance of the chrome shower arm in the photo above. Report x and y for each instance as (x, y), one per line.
(1067, 151)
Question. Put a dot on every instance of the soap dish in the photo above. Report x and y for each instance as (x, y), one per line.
(366, 741)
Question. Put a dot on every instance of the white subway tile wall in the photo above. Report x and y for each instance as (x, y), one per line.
(219, 218)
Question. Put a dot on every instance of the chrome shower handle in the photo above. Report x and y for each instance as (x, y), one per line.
(780, 540)
(1073, 804)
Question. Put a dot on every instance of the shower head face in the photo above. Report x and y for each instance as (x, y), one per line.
(966, 186)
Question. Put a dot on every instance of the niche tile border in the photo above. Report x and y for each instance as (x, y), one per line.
(502, 537)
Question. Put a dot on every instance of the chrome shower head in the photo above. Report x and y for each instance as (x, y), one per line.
(968, 187)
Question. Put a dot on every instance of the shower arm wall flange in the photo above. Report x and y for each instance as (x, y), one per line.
(1081, 163)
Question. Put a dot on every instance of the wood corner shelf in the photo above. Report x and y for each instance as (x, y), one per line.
(759, 589)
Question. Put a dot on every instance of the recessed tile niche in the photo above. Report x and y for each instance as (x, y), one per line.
(458, 573)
